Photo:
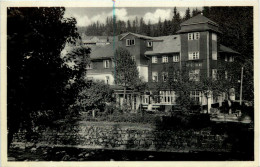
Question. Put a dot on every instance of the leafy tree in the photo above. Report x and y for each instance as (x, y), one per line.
(127, 74)
(94, 96)
(77, 59)
(37, 77)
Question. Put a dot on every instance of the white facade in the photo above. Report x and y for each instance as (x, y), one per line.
(143, 72)
(107, 78)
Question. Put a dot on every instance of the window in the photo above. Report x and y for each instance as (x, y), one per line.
(176, 76)
(113, 64)
(214, 37)
(164, 76)
(193, 55)
(165, 59)
(190, 36)
(133, 57)
(194, 36)
(130, 42)
(107, 79)
(106, 63)
(176, 58)
(226, 58)
(214, 74)
(194, 75)
(154, 59)
(90, 65)
(167, 97)
(155, 76)
(198, 64)
(149, 44)
(195, 96)
(214, 56)
(226, 75)
(231, 58)
(145, 99)
(194, 64)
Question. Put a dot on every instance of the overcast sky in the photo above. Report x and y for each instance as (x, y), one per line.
(85, 16)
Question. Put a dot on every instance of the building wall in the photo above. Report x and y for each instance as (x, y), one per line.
(202, 46)
(102, 77)
(160, 66)
(99, 72)
(133, 49)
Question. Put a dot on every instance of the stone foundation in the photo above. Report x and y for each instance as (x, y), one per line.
(117, 136)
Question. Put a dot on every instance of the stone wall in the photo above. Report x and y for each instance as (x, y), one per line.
(118, 136)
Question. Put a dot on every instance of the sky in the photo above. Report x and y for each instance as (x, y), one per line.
(87, 15)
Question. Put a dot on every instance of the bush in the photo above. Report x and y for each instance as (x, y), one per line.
(184, 121)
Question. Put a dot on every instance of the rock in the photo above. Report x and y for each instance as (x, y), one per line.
(81, 155)
(33, 149)
(11, 159)
(87, 155)
(151, 156)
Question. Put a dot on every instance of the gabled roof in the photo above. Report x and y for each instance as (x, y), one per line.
(137, 35)
(198, 20)
(225, 49)
(168, 44)
(96, 39)
(102, 52)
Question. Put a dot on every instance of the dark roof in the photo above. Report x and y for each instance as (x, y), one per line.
(198, 20)
(101, 51)
(225, 49)
(169, 44)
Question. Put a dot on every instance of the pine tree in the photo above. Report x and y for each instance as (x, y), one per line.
(129, 27)
(142, 26)
(149, 29)
(160, 27)
(165, 28)
(187, 14)
(176, 21)
(195, 12)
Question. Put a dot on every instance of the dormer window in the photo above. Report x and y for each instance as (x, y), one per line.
(149, 44)
(130, 42)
